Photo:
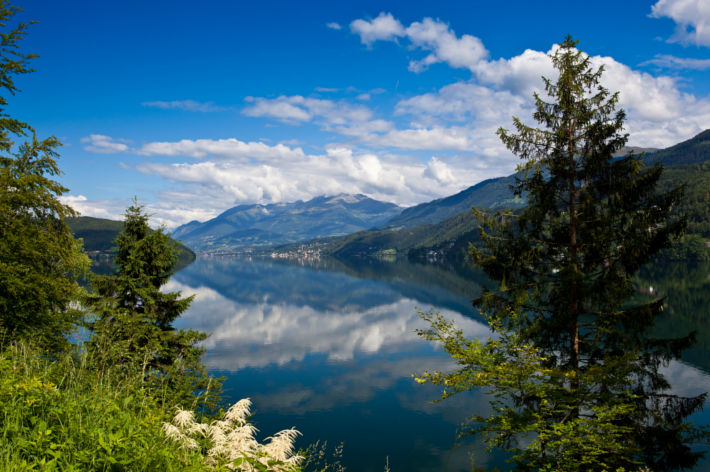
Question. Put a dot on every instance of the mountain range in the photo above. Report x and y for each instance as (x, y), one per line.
(280, 223)
(355, 224)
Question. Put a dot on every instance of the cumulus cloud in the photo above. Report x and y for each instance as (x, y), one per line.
(659, 112)
(185, 105)
(691, 16)
(104, 144)
(279, 173)
(427, 132)
(437, 37)
(384, 27)
(333, 25)
(438, 170)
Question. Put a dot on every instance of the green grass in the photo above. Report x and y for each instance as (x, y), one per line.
(56, 415)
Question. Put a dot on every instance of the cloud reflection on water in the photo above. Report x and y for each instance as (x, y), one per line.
(260, 334)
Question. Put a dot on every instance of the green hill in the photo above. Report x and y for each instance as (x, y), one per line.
(693, 151)
(99, 234)
(491, 193)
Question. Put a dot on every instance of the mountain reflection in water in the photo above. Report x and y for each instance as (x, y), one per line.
(331, 350)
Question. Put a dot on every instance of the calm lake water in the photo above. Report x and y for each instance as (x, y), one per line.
(330, 348)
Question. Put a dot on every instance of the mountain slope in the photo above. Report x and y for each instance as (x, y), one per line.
(693, 151)
(280, 223)
(491, 193)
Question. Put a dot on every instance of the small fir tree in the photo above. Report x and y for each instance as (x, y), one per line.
(132, 318)
(574, 370)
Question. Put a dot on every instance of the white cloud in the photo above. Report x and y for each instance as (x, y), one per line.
(277, 108)
(299, 108)
(185, 105)
(384, 27)
(440, 171)
(691, 16)
(110, 209)
(232, 172)
(333, 25)
(104, 144)
(173, 210)
(659, 112)
(425, 138)
(667, 61)
(231, 148)
(435, 36)
(463, 102)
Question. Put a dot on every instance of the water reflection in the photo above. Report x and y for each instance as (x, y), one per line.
(331, 349)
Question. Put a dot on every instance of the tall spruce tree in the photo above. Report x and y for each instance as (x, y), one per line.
(40, 261)
(573, 369)
(132, 318)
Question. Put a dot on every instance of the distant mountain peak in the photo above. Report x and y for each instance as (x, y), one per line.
(347, 198)
(259, 225)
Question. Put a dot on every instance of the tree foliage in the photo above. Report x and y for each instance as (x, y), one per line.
(132, 318)
(40, 260)
(576, 375)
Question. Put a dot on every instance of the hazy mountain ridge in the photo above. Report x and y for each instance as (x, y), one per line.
(260, 225)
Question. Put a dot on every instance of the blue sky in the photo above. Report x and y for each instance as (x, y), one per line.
(196, 108)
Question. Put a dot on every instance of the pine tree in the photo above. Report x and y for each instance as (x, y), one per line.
(564, 266)
(132, 318)
(40, 261)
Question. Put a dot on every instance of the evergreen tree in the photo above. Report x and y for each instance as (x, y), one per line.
(40, 260)
(132, 318)
(574, 361)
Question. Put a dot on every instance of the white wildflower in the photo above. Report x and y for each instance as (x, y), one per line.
(189, 443)
(232, 441)
(239, 412)
(172, 432)
(184, 419)
(280, 446)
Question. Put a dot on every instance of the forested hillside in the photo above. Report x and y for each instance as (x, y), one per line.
(99, 236)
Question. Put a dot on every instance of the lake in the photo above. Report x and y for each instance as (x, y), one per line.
(329, 347)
